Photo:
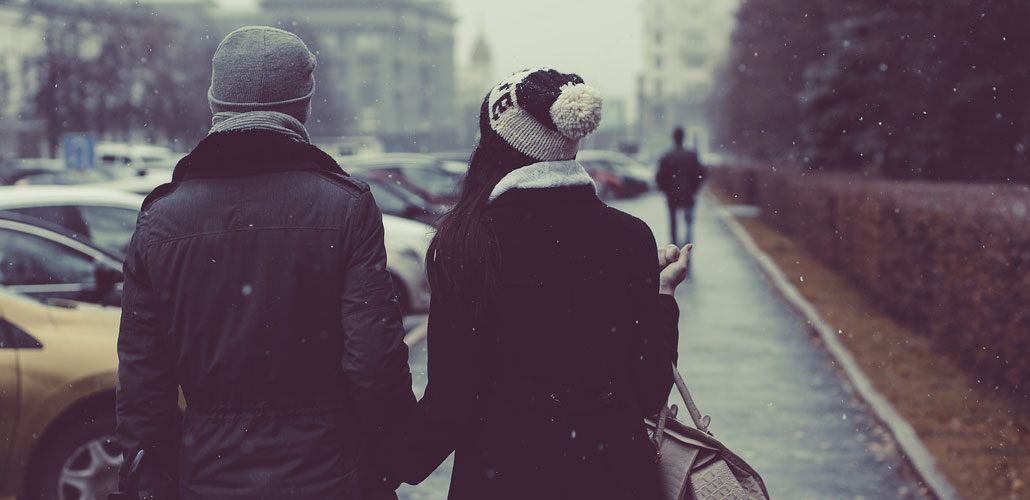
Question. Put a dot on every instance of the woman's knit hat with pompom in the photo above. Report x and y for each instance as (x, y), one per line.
(543, 113)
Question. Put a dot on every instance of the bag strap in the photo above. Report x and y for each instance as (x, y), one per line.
(701, 422)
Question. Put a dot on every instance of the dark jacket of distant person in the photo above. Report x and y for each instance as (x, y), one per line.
(680, 176)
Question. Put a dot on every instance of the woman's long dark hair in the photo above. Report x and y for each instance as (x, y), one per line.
(463, 257)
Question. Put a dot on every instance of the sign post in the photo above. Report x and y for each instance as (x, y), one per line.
(79, 151)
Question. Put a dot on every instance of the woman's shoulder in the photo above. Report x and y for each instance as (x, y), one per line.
(629, 225)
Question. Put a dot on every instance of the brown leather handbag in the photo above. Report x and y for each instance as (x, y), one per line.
(693, 465)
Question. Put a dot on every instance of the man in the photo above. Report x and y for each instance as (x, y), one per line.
(257, 282)
(680, 175)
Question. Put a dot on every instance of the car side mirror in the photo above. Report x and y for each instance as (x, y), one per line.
(106, 280)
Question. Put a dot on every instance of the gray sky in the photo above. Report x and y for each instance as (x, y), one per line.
(599, 39)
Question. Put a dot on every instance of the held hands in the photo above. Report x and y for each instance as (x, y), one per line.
(672, 261)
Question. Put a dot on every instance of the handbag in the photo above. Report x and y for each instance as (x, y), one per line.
(692, 464)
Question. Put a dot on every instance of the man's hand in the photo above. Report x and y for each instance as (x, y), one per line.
(672, 262)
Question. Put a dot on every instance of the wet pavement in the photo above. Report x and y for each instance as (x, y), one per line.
(773, 393)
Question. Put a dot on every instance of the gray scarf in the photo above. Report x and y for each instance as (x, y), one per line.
(274, 121)
(543, 175)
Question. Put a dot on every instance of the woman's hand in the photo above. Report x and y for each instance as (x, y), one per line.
(672, 262)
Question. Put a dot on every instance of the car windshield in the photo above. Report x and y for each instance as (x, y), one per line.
(389, 202)
(433, 181)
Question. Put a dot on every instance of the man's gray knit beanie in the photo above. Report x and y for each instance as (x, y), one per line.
(260, 68)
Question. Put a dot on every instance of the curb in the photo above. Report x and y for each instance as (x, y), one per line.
(904, 434)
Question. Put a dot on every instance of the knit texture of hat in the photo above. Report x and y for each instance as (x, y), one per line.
(259, 68)
(543, 113)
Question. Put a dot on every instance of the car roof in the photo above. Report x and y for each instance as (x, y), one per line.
(31, 196)
(60, 230)
(390, 160)
(454, 155)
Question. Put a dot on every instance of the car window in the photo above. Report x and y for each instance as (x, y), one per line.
(388, 202)
(65, 216)
(27, 259)
(409, 196)
(434, 182)
(110, 227)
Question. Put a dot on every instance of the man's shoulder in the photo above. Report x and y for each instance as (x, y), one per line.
(345, 182)
(161, 192)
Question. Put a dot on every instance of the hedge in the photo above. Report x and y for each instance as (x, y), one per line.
(953, 260)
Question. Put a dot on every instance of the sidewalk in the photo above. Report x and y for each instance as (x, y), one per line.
(772, 392)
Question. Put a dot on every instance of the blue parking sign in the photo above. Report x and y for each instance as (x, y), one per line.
(79, 151)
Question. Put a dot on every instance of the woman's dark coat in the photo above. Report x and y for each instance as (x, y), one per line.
(545, 397)
(257, 281)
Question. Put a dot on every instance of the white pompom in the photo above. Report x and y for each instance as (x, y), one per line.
(577, 111)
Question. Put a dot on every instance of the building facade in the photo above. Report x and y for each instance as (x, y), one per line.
(475, 79)
(20, 133)
(387, 65)
(685, 41)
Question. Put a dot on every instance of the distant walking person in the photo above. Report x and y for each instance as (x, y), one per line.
(257, 282)
(552, 325)
(680, 175)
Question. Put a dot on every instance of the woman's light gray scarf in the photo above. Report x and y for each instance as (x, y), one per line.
(275, 121)
(543, 175)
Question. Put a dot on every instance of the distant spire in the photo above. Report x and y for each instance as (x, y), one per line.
(481, 55)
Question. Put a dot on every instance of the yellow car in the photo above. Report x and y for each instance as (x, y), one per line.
(58, 363)
(58, 372)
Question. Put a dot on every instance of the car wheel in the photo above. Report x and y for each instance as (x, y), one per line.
(79, 463)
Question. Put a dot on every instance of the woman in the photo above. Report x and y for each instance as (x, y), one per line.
(549, 341)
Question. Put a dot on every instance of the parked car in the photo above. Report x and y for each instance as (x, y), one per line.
(107, 218)
(616, 175)
(395, 200)
(11, 175)
(58, 373)
(455, 161)
(120, 177)
(12, 171)
(454, 156)
(434, 180)
(407, 242)
(140, 156)
(142, 183)
(351, 145)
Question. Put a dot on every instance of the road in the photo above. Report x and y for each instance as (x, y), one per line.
(773, 393)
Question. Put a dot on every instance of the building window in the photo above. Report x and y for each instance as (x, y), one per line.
(370, 70)
(694, 37)
(427, 109)
(658, 62)
(658, 37)
(695, 59)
